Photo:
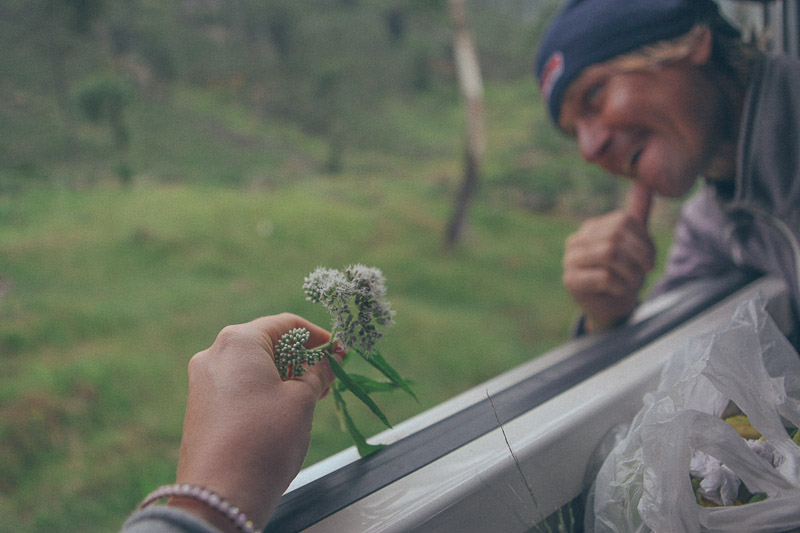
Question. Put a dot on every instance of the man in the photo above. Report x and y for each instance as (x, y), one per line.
(663, 92)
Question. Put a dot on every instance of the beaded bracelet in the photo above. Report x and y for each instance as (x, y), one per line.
(206, 497)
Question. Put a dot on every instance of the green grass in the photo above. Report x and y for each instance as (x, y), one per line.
(106, 290)
(109, 291)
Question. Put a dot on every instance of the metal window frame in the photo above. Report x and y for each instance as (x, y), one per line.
(450, 469)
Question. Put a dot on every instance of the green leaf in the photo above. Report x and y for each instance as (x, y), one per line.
(356, 389)
(347, 357)
(364, 448)
(377, 360)
(370, 385)
(796, 437)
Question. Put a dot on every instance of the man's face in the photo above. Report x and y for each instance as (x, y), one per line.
(656, 126)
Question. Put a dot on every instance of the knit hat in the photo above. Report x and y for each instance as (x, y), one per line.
(587, 32)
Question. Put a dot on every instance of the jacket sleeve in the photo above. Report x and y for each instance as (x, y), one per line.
(164, 519)
(701, 247)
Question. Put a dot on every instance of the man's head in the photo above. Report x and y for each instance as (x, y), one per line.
(633, 81)
(587, 32)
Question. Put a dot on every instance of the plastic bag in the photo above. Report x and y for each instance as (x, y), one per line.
(644, 484)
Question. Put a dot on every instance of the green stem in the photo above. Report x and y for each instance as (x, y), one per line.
(356, 389)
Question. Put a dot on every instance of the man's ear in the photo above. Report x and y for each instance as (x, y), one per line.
(701, 46)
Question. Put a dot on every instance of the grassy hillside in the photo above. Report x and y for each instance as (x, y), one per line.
(117, 265)
(107, 292)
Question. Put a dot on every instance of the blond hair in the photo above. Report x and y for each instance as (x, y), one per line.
(729, 54)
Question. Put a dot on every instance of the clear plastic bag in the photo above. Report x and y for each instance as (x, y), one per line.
(644, 483)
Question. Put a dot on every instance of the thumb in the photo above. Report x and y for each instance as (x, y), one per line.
(638, 203)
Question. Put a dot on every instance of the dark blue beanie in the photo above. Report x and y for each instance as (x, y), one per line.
(587, 32)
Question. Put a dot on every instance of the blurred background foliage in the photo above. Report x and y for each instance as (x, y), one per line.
(96, 86)
(168, 168)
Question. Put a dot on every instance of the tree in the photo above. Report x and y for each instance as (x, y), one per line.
(81, 14)
(471, 86)
(59, 27)
(103, 98)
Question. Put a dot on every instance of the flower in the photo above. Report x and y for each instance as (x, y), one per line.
(290, 354)
(355, 298)
(325, 286)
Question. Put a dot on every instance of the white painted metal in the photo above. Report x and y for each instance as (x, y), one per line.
(478, 487)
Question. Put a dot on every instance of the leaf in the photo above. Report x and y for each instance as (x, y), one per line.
(356, 389)
(370, 385)
(796, 437)
(364, 448)
(377, 360)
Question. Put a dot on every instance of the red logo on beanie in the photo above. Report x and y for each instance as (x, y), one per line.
(552, 70)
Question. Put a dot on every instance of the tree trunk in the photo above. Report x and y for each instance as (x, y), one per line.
(471, 86)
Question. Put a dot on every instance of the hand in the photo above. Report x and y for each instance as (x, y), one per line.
(606, 261)
(246, 432)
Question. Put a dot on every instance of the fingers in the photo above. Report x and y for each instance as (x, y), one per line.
(623, 254)
(607, 260)
(602, 281)
(319, 376)
(638, 203)
(615, 242)
(272, 328)
(253, 343)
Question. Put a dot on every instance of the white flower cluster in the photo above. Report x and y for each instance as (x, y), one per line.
(290, 354)
(355, 297)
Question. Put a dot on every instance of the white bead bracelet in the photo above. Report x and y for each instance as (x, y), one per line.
(207, 498)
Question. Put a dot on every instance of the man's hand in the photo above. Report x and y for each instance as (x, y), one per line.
(606, 261)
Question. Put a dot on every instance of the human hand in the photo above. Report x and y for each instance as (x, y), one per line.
(606, 261)
(246, 432)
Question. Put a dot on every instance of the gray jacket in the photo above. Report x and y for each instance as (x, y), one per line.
(754, 224)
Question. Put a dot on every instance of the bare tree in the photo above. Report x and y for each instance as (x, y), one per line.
(471, 86)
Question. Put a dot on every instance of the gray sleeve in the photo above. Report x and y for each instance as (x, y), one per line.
(163, 519)
(700, 248)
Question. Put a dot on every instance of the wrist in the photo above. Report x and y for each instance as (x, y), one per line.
(204, 504)
(204, 512)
